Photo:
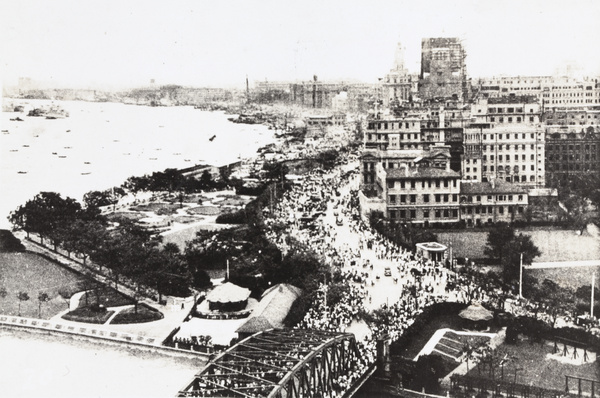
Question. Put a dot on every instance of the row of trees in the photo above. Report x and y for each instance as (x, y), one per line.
(126, 249)
(171, 180)
(43, 297)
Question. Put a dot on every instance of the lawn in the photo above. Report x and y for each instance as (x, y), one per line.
(144, 313)
(536, 367)
(30, 273)
(107, 296)
(160, 208)
(204, 210)
(87, 315)
(555, 244)
(570, 277)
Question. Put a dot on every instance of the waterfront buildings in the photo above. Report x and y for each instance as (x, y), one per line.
(507, 139)
(398, 86)
(491, 202)
(550, 91)
(571, 151)
(426, 195)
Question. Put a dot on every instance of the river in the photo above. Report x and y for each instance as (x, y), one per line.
(100, 145)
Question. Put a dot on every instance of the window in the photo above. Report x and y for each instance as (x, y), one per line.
(478, 198)
(446, 196)
(455, 197)
(402, 184)
(426, 198)
(393, 199)
(402, 198)
(393, 214)
(438, 198)
(413, 198)
(413, 214)
(425, 213)
(412, 184)
(501, 209)
(437, 214)
(390, 184)
(402, 213)
(446, 213)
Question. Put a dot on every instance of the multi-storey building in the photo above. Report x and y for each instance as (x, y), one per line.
(398, 85)
(551, 91)
(435, 156)
(316, 93)
(491, 202)
(510, 141)
(571, 151)
(422, 195)
(443, 69)
(567, 116)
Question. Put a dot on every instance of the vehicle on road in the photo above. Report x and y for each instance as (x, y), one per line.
(387, 271)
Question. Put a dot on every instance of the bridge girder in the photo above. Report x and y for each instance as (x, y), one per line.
(278, 363)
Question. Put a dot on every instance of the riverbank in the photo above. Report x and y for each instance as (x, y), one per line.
(102, 144)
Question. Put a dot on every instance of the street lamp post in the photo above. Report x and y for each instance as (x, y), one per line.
(521, 276)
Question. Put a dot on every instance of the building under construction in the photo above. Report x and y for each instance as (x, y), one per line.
(443, 70)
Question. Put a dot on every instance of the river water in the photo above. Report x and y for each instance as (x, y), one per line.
(100, 145)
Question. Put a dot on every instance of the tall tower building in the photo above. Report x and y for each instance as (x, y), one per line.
(398, 84)
(443, 69)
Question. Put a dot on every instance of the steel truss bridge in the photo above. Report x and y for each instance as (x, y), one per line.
(284, 363)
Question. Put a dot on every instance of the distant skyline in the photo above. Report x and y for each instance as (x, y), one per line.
(113, 44)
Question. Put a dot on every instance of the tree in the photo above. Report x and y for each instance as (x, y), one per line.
(42, 298)
(44, 214)
(497, 239)
(98, 198)
(511, 258)
(22, 296)
(557, 300)
(428, 371)
(275, 170)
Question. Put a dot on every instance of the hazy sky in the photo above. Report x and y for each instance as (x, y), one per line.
(216, 43)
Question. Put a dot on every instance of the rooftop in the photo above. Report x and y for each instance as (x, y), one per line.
(420, 172)
(484, 188)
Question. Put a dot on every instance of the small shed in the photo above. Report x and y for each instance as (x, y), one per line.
(433, 251)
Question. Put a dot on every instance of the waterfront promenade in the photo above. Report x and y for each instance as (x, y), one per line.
(159, 330)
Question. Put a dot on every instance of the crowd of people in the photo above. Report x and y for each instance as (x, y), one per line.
(420, 281)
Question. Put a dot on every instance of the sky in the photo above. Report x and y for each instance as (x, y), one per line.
(111, 44)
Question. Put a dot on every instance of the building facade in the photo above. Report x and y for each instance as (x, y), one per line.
(571, 151)
(550, 91)
(511, 140)
(491, 202)
(421, 195)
